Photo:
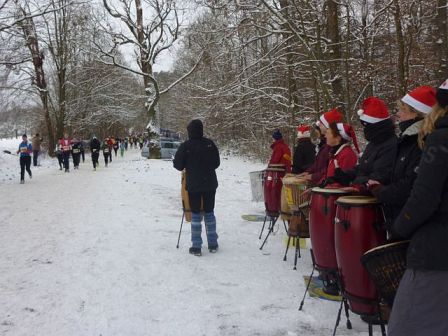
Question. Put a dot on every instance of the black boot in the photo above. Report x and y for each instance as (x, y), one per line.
(195, 251)
(331, 288)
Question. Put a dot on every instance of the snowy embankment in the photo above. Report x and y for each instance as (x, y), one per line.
(94, 253)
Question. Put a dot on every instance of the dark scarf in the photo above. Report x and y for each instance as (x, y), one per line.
(380, 131)
(404, 125)
(334, 150)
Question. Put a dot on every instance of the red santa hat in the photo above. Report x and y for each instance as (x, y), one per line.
(373, 110)
(303, 131)
(332, 116)
(348, 133)
(422, 98)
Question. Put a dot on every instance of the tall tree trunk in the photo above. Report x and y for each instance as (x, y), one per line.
(442, 40)
(335, 47)
(292, 84)
(401, 69)
(30, 34)
(152, 91)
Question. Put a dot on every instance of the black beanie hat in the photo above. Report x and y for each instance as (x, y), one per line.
(277, 135)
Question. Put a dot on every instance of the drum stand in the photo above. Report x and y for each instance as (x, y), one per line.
(273, 217)
(345, 297)
(296, 239)
(323, 271)
(297, 249)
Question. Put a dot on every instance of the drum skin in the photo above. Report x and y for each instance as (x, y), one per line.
(272, 189)
(321, 222)
(358, 228)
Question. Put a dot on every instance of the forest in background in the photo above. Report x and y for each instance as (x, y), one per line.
(245, 67)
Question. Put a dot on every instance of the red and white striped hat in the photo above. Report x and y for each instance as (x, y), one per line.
(422, 98)
(348, 133)
(373, 110)
(332, 116)
(303, 131)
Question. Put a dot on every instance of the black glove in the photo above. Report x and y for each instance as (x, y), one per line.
(394, 236)
(341, 177)
(327, 181)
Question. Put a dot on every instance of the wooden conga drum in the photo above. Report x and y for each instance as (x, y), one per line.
(359, 227)
(272, 188)
(297, 202)
(321, 221)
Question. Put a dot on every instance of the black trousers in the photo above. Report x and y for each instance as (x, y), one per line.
(115, 150)
(95, 156)
(106, 158)
(25, 163)
(66, 156)
(35, 156)
(83, 155)
(60, 159)
(207, 197)
(76, 159)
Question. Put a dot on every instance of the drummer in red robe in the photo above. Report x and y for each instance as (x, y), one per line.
(281, 153)
(316, 172)
(340, 138)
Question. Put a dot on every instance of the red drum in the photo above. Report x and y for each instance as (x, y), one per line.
(273, 188)
(359, 227)
(321, 221)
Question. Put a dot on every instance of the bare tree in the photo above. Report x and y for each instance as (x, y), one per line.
(26, 23)
(149, 35)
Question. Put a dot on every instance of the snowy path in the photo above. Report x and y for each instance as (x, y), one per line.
(93, 253)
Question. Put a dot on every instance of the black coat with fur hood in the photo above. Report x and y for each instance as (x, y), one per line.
(199, 156)
(404, 173)
(424, 217)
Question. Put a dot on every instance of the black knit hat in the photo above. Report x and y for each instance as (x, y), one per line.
(442, 94)
(277, 135)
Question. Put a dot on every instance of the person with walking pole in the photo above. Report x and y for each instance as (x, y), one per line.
(199, 156)
(24, 151)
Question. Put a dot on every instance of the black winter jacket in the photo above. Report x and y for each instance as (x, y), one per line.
(424, 217)
(95, 145)
(304, 155)
(408, 155)
(375, 164)
(199, 156)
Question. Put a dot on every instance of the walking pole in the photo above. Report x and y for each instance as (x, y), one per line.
(180, 231)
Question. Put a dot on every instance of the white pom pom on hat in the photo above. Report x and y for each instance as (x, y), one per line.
(373, 110)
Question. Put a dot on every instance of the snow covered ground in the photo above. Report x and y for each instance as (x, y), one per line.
(94, 253)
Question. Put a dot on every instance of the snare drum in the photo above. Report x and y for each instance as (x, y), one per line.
(386, 265)
(359, 226)
(321, 221)
(272, 188)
